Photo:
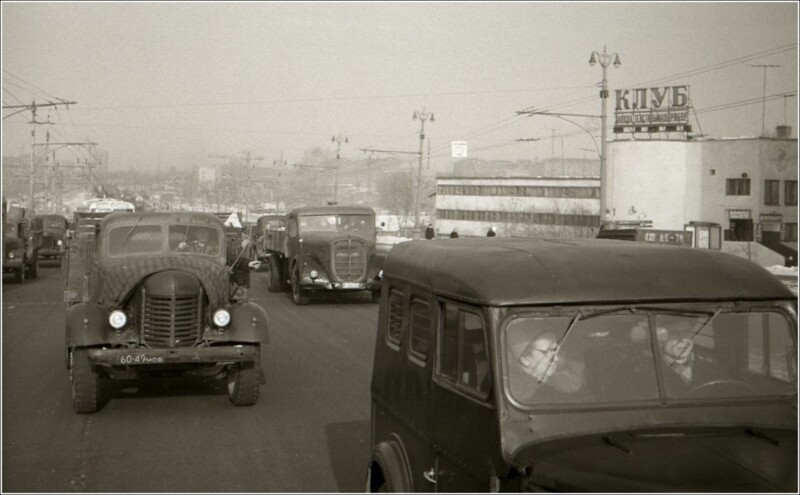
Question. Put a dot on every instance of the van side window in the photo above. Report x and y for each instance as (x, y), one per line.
(394, 330)
(463, 356)
(420, 319)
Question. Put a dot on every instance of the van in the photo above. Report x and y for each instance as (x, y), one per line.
(511, 364)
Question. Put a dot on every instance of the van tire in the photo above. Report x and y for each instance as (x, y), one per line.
(85, 383)
(243, 385)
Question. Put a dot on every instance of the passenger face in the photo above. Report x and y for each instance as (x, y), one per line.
(678, 347)
(539, 359)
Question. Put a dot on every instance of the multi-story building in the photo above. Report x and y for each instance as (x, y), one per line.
(735, 194)
(523, 206)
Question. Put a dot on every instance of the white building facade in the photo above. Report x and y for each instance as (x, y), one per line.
(521, 206)
(738, 194)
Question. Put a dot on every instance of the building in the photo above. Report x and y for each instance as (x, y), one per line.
(522, 206)
(735, 194)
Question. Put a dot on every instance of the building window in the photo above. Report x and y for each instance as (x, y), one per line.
(790, 193)
(737, 187)
(772, 192)
(789, 232)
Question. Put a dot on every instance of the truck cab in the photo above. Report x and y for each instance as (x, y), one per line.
(20, 244)
(324, 249)
(513, 364)
(152, 293)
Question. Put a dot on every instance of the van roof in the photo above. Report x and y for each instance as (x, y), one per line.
(503, 271)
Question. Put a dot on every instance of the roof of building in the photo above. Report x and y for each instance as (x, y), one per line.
(502, 271)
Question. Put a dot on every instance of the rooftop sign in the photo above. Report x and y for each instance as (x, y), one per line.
(652, 110)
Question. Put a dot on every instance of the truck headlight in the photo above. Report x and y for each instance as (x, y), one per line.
(117, 319)
(11, 255)
(221, 317)
(313, 274)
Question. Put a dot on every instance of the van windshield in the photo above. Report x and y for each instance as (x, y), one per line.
(624, 356)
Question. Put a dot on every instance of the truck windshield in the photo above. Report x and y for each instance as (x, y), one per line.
(628, 356)
(336, 223)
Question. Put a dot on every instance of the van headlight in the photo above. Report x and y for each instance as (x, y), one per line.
(313, 274)
(221, 317)
(117, 319)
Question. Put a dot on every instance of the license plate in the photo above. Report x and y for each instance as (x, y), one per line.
(351, 285)
(139, 358)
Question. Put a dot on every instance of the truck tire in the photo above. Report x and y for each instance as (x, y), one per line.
(19, 275)
(275, 279)
(85, 383)
(299, 296)
(243, 384)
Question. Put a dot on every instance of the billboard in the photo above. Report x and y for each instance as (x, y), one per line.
(652, 110)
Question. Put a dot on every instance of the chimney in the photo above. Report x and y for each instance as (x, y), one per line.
(784, 131)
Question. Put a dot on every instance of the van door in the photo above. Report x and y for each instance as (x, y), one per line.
(464, 431)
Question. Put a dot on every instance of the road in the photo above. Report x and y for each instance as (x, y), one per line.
(309, 431)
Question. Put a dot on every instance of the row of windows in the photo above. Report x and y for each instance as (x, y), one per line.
(526, 217)
(772, 192)
(463, 360)
(741, 187)
(526, 191)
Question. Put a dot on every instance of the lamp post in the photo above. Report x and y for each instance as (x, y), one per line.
(605, 59)
(338, 140)
(422, 116)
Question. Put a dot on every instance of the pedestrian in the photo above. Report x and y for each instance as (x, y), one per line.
(492, 232)
(429, 232)
(453, 234)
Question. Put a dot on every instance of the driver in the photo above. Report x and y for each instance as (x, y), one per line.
(687, 370)
(539, 366)
(202, 243)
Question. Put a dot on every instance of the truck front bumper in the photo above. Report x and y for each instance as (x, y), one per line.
(146, 356)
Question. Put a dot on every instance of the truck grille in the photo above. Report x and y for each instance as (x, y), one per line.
(349, 260)
(171, 321)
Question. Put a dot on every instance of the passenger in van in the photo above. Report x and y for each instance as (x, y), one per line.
(539, 367)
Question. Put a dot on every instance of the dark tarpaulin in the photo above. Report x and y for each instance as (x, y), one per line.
(118, 279)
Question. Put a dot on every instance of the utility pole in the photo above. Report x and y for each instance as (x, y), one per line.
(422, 116)
(339, 139)
(605, 60)
(33, 107)
(764, 98)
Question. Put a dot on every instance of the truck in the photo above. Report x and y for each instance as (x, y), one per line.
(51, 230)
(323, 249)
(152, 294)
(20, 244)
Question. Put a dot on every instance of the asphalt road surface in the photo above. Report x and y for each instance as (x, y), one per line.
(309, 431)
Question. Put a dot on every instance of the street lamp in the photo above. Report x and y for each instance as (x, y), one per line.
(422, 116)
(605, 59)
(338, 140)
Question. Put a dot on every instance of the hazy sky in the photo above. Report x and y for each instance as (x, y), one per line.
(167, 84)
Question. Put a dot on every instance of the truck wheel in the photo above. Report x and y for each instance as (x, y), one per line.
(85, 383)
(19, 275)
(243, 384)
(299, 296)
(275, 282)
(376, 296)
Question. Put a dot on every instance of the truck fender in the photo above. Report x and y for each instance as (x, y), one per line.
(248, 323)
(87, 324)
(389, 465)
